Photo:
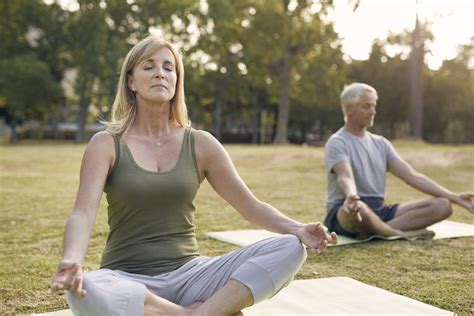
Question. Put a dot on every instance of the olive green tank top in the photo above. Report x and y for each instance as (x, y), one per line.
(151, 214)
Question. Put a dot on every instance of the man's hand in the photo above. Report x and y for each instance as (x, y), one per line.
(315, 237)
(68, 277)
(352, 206)
(465, 200)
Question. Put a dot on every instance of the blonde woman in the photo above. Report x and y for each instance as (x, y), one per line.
(150, 163)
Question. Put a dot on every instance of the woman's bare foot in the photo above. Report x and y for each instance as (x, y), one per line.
(195, 305)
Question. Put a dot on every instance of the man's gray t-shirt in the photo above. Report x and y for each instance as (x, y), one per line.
(368, 157)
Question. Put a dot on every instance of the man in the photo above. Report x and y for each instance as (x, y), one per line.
(356, 163)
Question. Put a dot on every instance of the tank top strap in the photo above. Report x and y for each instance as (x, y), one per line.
(117, 141)
(189, 149)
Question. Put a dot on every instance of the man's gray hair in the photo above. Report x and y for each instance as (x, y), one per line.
(352, 93)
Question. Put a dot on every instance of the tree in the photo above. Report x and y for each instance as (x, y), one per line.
(217, 56)
(416, 82)
(265, 39)
(102, 33)
(448, 100)
(14, 25)
(29, 90)
(28, 55)
(388, 75)
(291, 29)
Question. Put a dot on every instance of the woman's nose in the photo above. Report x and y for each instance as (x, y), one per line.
(159, 73)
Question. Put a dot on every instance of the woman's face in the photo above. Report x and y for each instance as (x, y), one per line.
(154, 79)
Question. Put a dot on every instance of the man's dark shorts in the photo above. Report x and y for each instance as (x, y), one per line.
(383, 211)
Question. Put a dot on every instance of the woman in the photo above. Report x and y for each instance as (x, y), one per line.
(150, 164)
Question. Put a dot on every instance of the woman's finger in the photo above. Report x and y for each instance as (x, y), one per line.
(71, 276)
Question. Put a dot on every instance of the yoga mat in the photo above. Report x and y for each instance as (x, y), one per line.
(64, 312)
(339, 296)
(332, 296)
(443, 229)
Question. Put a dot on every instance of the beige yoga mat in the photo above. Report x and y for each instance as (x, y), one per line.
(332, 296)
(64, 312)
(339, 296)
(444, 229)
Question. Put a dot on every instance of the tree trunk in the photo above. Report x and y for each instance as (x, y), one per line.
(257, 118)
(416, 84)
(13, 133)
(218, 114)
(281, 136)
(83, 110)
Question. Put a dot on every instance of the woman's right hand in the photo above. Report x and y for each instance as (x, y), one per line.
(68, 277)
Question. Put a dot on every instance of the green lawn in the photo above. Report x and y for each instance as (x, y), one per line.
(38, 184)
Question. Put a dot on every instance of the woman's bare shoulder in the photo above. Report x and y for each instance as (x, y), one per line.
(204, 138)
(101, 143)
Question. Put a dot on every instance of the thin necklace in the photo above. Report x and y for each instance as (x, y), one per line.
(157, 142)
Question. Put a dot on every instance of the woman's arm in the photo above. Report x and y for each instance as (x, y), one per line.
(216, 166)
(97, 161)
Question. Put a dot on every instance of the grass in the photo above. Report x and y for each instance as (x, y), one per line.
(38, 183)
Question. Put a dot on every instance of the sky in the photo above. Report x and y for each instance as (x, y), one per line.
(452, 24)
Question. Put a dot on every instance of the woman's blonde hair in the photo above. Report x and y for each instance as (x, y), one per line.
(124, 107)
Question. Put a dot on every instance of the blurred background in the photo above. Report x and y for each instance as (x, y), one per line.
(257, 71)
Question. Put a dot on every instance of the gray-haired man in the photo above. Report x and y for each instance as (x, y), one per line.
(356, 165)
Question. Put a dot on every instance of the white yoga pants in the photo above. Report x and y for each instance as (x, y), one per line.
(264, 267)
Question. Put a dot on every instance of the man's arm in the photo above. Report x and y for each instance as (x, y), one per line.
(405, 172)
(345, 181)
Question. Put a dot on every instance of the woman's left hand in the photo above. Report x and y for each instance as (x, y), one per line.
(315, 237)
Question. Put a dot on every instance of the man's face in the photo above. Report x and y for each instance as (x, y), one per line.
(363, 113)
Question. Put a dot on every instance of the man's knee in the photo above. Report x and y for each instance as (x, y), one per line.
(350, 221)
(442, 208)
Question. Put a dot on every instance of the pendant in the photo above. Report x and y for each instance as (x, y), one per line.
(157, 144)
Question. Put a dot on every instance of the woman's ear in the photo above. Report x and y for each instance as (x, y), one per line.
(131, 84)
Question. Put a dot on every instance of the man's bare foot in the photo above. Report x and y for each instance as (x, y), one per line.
(362, 236)
(418, 233)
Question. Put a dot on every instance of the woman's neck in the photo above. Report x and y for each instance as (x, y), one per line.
(152, 120)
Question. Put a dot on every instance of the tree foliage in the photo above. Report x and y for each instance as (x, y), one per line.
(28, 90)
(253, 67)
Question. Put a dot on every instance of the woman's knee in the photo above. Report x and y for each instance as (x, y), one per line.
(108, 294)
(292, 248)
(277, 261)
(284, 252)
